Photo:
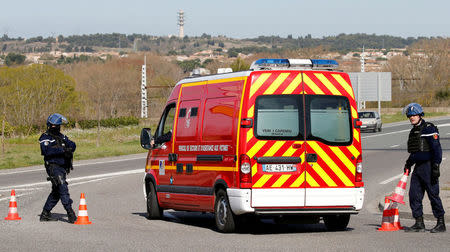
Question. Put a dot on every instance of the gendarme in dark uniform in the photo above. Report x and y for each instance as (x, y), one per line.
(57, 150)
(425, 155)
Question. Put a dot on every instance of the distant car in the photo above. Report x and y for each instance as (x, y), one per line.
(371, 120)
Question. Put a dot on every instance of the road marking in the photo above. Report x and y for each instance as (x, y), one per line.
(75, 165)
(391, 179)
(111, 161)
(104, 175)
(393, 146)
(17, 196)
(395, 132)
(385, 134)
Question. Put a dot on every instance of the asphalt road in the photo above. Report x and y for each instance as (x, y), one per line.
(116, 207)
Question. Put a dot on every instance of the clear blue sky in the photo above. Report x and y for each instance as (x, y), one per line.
(232, 18)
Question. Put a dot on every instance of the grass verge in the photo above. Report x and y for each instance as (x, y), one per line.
(398, 117)
(25, 151)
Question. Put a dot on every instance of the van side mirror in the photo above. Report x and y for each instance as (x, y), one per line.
(146, 137)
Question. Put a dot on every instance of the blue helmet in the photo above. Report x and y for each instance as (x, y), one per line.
(56, 119)
(413, 109)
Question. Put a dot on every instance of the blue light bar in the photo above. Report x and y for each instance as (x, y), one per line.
(278, 62)
(267, 64)
(323, 63)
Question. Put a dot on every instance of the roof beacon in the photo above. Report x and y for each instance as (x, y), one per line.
(302, 64)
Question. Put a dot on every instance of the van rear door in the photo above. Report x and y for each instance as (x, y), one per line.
(276, 142)
(332, 144)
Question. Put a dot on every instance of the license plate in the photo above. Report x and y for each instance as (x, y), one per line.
(363, 126)
(279, 168)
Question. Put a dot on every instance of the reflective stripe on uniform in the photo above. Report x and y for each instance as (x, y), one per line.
(47, 140)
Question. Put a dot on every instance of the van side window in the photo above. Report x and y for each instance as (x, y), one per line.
(165, 125)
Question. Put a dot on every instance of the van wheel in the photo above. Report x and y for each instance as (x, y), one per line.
(379, 129)
(225, 219)
(153, 209)
(337, 222)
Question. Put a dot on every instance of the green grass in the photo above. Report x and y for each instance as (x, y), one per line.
(25, 151)
(398, 117)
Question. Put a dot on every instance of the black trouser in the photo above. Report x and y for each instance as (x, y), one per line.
(421, 182)
(60, 189)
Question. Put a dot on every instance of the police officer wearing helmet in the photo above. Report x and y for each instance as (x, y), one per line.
(57, 150)
(426, 154)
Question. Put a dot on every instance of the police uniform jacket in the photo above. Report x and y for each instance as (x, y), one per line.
(423, 144)
(52, 147)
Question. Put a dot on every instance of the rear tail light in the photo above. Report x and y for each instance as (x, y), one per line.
(358, 175)
(245, 171)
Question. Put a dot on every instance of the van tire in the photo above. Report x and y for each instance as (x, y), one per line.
(154, 211)
(224, 217)
(336, 222)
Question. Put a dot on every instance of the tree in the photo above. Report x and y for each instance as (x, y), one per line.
(34, 92)
(14, 59)
(239, 65)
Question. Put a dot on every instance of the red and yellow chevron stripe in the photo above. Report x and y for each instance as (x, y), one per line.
(336, 164)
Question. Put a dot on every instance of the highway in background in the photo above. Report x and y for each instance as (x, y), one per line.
(116, 206)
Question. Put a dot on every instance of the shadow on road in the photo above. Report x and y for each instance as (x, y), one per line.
(255, 227)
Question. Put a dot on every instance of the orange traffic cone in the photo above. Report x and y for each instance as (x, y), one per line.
(390, 216)
(400, 190)
(83, 218)
(396, 217)
(12, 213)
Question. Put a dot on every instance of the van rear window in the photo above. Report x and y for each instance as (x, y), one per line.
(327, 118)
(277, 117)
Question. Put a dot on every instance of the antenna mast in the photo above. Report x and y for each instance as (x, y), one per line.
(181, 23)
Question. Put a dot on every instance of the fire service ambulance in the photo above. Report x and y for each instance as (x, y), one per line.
(281, 140)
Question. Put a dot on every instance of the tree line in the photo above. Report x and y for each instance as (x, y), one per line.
(341, 43)
(99, 89)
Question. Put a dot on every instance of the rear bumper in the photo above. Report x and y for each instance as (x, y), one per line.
(296, 201)
(368, 126)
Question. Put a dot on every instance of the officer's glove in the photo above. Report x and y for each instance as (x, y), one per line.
(407, 168)
(435, 173)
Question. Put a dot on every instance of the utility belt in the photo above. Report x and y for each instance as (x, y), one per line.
(56, 180)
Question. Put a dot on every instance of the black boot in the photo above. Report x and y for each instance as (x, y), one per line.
(440, 226)
(46, 216)
(71, 216)
(418, 227)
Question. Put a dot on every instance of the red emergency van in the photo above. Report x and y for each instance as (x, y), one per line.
(279, 140)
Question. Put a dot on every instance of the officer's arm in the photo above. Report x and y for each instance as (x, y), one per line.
(49, 148)
(70, 144)
(431, 134)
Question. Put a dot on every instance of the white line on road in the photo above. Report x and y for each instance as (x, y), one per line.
(393, 146)
(396, 132)
(385, 134)
(75, 165)
(389, 180)
(17, 196)
(104, 175)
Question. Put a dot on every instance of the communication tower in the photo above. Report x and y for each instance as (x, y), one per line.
(181, 23)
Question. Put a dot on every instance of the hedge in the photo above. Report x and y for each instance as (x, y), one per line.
(83, 124)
